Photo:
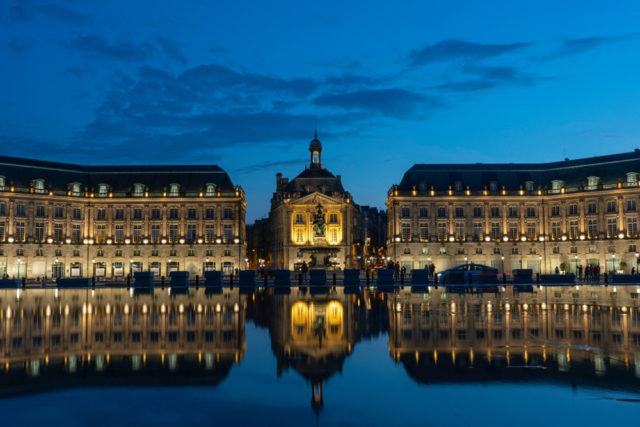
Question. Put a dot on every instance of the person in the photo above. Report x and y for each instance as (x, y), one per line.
(432, 269)
(633, 270)
(557, 270)
(304, 270)
(397, 270)
(580, 272)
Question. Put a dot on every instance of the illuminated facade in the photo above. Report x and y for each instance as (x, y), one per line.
(313, 219)
(113, 333)
(62, 220)
(538, 216)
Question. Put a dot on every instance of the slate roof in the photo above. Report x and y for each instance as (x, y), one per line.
(57, 176)
(513, 176)
(314, 179)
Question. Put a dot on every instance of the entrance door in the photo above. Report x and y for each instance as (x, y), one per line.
(57, 270)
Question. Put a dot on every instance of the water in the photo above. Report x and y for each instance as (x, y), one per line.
(105, 357)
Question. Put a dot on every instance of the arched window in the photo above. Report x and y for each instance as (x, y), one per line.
(76, 189)
(210, 190)
(174, 190)
(103, 190)
(592, 182)
(556, 185)
(138, 190)
(38, 185)
(632, 178)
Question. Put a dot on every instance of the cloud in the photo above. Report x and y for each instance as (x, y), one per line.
(18, 47)
(25, 11)
(125, 51)
(397, 103)
(447, 50)
(577, 46)
(266, 165)
(488, 77)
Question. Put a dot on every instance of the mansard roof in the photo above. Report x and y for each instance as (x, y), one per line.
(57, 176)
(513, 176)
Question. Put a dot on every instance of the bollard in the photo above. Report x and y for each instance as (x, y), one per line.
(231, 280)
(93, 282)
(537, 277)
(402, 278)
(504, 277)
(606, 278)
(128, 281)
(24, 282)
(197, 281)
(162, 282)
(334, 279)
(299, 279)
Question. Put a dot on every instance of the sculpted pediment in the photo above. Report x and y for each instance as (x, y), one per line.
(317, 198)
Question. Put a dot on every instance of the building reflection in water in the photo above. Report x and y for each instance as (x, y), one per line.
(56, 337)
(314, 334)
(589, 335)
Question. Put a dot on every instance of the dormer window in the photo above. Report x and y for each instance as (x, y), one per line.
(632, 178)
(210, 190)
(2, 182)
(422, 186)
(556, 185)
(592, 182)
(76, 189)
(529, 186)
(458, 185)
(38, 186)
(493, 186)
(138, 190)
(174, 190)
(103, 190)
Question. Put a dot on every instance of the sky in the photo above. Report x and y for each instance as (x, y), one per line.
(244, 84)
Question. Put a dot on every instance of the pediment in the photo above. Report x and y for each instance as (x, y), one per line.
(317, 198)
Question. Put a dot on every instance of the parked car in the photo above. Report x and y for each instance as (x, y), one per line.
(468, 273)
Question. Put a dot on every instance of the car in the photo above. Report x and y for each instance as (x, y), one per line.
(467, 274)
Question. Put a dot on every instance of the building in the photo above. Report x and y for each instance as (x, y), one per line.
(259, 244)
(540, 216)
(313, 219)
(372, 236)
(64, 220)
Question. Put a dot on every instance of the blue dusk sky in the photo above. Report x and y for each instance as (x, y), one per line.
(243, 84)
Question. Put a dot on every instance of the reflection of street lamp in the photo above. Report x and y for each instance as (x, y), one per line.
(502, 259)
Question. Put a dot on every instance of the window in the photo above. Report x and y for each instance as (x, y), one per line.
(101, 214)
(119, 214)
(458, 185)
(442, 212)
(2, 233)
(531, 212)
(101, 233)
(405, 212)
(210, 190)
(3, 209)
(573, 229)
(76, 233)
(424, 231)
(173, 213)
(495, 212)
(19, 231)
(137, 214)
(40, 211)
(493, 186)
(514, 250)
(477, 212)
(496, 250)
(556, 249)
(156, 214)
(424, 212)
(209, 233)
(174, 190)
(103, 190)
(227, 233)
(513, 231)
(2, 182)
(478, 250)
(555, 211)
(209, 213)
(631, 205)
(632, 178)
(173, 233)
(138, 190)
(58, 212)
(555, 230)
(592, 228)
(137, 233)
(529, 186)
(227, 213)
(119, 233)
(76, 213)
(612, 227)
(477, 230)
(512, 212)
(592, 182)
(459, 230)
(572, 210)
(191, 232)
(333, 218)
(155, 232)
(75, 189)
(39, 234)
(58, 232)
(612, 206)
(442, 230)
(556, 185)
(20, 211)
(495, 230)
(632, 227)
(443, 250)
(192, 213)
(531, 230)
(406, 232)
(459, 212)
(299, 219)
(592, 209)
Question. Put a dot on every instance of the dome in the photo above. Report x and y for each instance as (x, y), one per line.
(315, 144)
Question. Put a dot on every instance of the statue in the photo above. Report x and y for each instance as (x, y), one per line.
(319, 224)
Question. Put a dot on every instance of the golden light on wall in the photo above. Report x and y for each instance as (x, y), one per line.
(299, 227)
(299, 319)
(334, 316)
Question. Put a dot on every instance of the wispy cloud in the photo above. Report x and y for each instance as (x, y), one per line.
(446, 50)
(126, 51)
(570, 47)
(268, 165)
(25, 11)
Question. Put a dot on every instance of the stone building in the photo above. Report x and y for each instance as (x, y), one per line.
(313, 219)
(64, 220)
(540, 216)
